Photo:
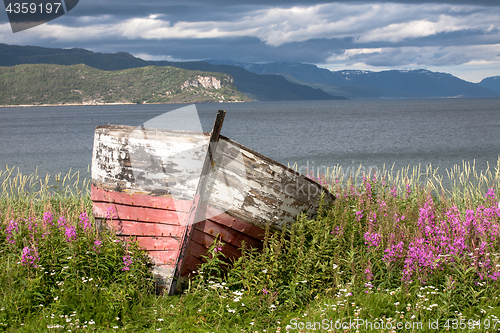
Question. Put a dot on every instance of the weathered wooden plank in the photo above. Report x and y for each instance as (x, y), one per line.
(227, 234)
(206, 240)
(191, 265)
(220, 217)
(155, 243)
(141, 214)
(196, 250)
(133, 228)
(164, 257)
(139, 200)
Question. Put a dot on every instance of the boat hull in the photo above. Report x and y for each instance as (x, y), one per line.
(156, 227)
(144, 190)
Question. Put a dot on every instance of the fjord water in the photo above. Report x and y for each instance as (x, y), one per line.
(312, 134)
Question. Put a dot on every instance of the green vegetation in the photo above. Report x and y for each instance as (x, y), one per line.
(77, 84)
(393, 248)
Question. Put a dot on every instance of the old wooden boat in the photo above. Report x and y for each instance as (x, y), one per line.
(174, 192)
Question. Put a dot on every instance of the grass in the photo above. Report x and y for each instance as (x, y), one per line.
(397, 250)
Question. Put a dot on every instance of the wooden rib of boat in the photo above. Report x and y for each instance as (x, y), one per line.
(174, 192)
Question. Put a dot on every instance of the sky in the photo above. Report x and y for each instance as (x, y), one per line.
(460, 37)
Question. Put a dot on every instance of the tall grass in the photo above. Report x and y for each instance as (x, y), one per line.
(400, 247)
(56, 269)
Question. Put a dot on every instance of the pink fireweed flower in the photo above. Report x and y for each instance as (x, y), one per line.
(97, 245)
(408, 190)
(394, 192)
(48, 218)
(30, 257)
(368, 187)
(372, 239)
(31, 226)
(394, 252)
(369, 275)
(337, 231)
(495, 276)
(127, 261)
(490, 194)
(70, 233)
(84, 221)
(61, 222)
(383, 205)
(421, 257)
(12, 226)
(359, 215)
(265, 291)
(111, 214)
(372, 219)
(218, 247)
(426, 219)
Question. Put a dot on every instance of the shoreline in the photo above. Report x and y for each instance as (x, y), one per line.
(124, 103)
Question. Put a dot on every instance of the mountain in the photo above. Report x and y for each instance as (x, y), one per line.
(492, 83)
(36, 84)
(368, 84)
(259, 87)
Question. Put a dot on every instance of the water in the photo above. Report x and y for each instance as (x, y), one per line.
(314, 135)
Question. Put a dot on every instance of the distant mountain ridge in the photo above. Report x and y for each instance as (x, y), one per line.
(279, 80)
(368, 84)
(492, 83)
(259, 87)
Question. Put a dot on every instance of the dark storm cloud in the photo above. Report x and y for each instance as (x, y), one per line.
(341, 33)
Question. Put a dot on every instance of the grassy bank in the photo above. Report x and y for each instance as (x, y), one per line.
(396, 251)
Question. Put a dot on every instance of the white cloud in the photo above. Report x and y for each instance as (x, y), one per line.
(153, 57)
(387, 22)
(368, 23)
(397, 32)
(473, 56)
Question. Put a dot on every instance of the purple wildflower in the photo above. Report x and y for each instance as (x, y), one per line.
(30, 257)
(10, 228)
(395, 251)
(61, 222)
(84, 221)
(359, 215)
(48, 218)
(490, 194)
(127, 261)
(408, 190)
(111, 214)
(97, 245)
(369, 275)
(70, 233)
(372, 239)
(368, 186)
(218, 247)
(337, 231)
(31, 226)
(265, 291)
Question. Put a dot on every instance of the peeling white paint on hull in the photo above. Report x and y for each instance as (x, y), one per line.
(150, 178)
